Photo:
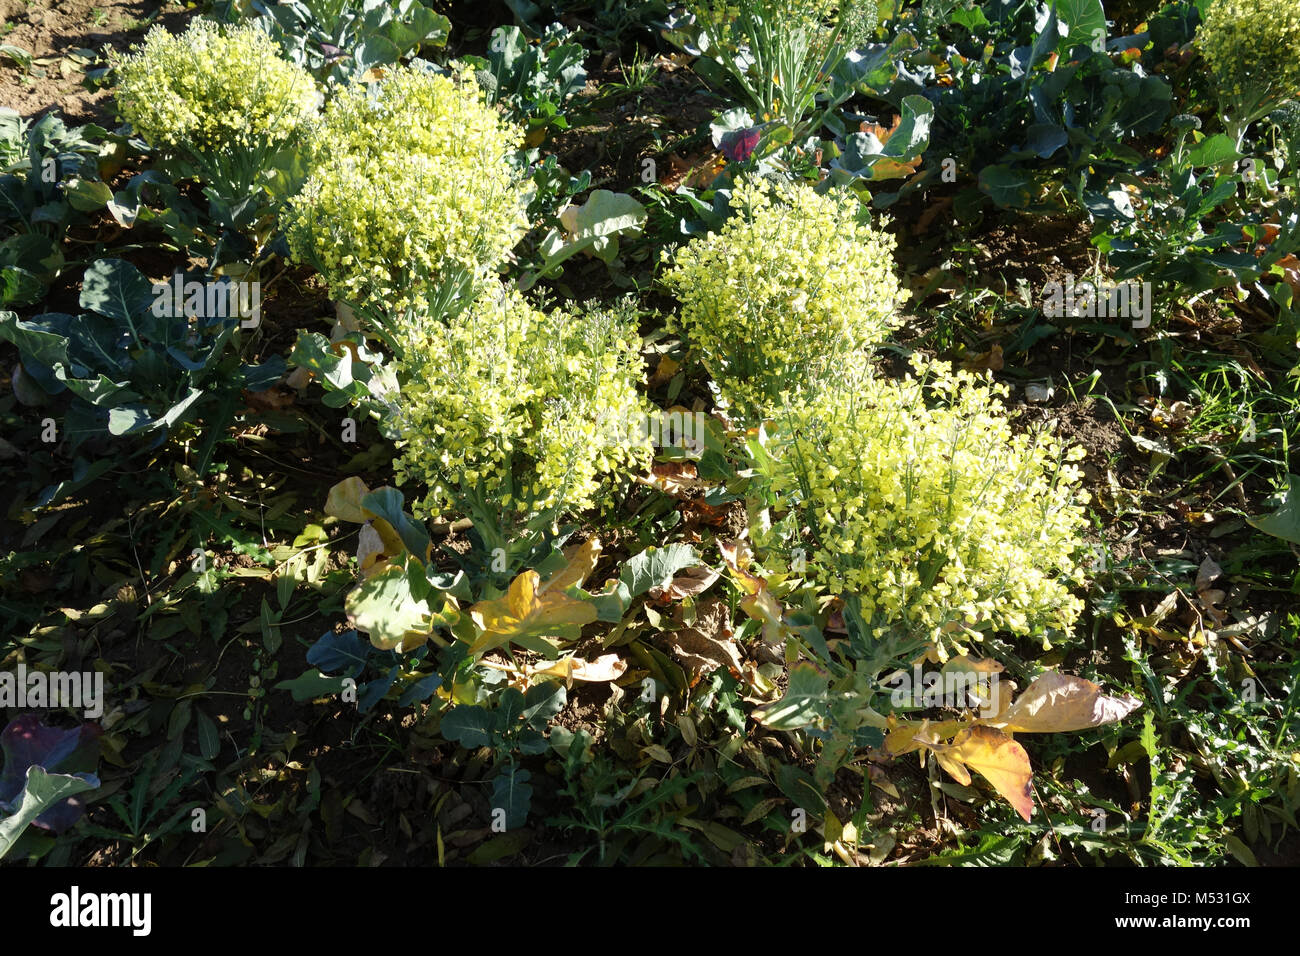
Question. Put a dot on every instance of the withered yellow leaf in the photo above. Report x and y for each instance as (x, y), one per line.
(344, 500)
(966, 664)
(524, 614)
(768, 611)
(760, 604)
(911, 735)
(392, 541)
(997, 758)
(676, 478)
(955, 768)
(886, 168)
(377, 542)
(582, 561)
(607, 667)
(664, 371)
(521, 599)
(999, 700)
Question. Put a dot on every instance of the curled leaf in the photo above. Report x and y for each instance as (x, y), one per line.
(1058, 703)
(675, 478)
(607, 667)
(908, 735)
(997, 758)
(582, 561)
(526, 615)
(687, 583)
(29, 744)
(759, 603)
(344, 500)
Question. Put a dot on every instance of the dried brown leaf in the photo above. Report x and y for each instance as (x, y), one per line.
(1059, 703)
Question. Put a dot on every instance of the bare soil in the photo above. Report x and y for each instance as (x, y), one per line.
(66, 38)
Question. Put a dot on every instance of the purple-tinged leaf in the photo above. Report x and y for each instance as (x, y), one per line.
(739, 145)
(27, 742)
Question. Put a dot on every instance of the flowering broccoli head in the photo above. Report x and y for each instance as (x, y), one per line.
(510, 404)
(1252, 49)
(213, 88)
(410, 186)
(918, 498)
(793, 284)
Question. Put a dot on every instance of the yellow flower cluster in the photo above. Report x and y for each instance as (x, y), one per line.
(920, 499)
(410, 183)
(792, 284)
(511, 404)
(212, 88)
(1253, 48)
(416, 111)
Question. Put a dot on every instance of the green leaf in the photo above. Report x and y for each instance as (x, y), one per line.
(651, 568)
(420, 691)
(469, 725)
(35, 341)
(209, 739)
(19, 286)
(1044, 139)
(799, 786)
(992, 850)
(383, 607)
(271, 638)
(1285, 522)
(590, 226)
(33, 252)
(500, 847)
(100, 390)
(654, 567)
(116, 289)
(971, 19)
(375, 51)
(1083, 22)
(724, 838)
(425, 28)
(1144, 111)
(41, 791)
(373, 691)
(1239, 850)
(87, 195)
(542, 702)
(1007, 187)
(512, 793)
(135, 419)
(804, 703)
(315, 353)
(311, 684)
(912, 136)
(1041, 48)
(1213, 151)
(904, 144)
(23, 57)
